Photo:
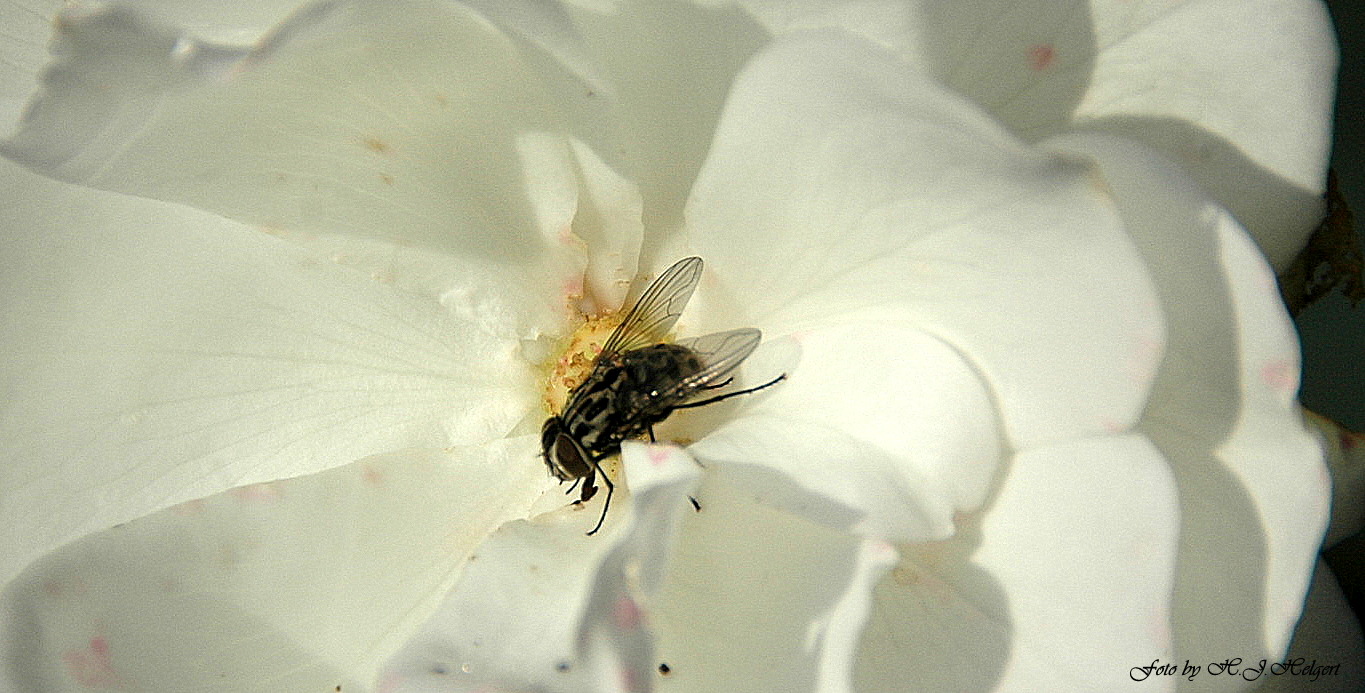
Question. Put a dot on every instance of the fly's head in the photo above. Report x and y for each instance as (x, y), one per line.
(565, 458)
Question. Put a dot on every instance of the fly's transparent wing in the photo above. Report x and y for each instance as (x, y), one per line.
(721, 353)
(657, 310)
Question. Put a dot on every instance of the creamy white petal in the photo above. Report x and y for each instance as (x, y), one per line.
(669, 67)
(1345, 453)
(758, 599)
(879, 430)
(240, 23)
(23, 52)
(652, 603)
(1239, 91)
(844, 185)
(1253, 486)
(1327, 653)
(1062, 584)
(544, 607)
(157, 354)
(415, 122)
(304, 584)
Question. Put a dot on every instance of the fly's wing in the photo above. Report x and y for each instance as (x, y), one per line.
(657, 310)
(720, 353)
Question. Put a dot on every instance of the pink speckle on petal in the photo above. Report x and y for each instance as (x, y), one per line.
(657, 456)
(191, 507)
(372, 476)
(257, 493)
(1112, 425)
(63, 589)
(91, 667)
(626, 614)
(1280, 375)
(629, 680)
(390, 682)
(1041, 56)
(573, 287)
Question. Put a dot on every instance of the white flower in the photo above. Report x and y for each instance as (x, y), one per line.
(1039, 426)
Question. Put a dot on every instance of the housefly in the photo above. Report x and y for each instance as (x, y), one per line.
(638, 380)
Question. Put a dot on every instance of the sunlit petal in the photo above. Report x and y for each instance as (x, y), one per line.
(344, 121)
(1253, 486)
(157, 354)
(1062, 584)
(900, 203)
(302, 584)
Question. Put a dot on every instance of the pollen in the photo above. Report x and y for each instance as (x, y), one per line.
(575, 361)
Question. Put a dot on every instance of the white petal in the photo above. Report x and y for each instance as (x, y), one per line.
(293, 585)
(758, 599)
(544, 607)
(415, 122)
(1345, 453)
(1065, 586)
(1328, 636)
(23, 52)
(742, 597)
(880, 430)
(1240, 93)
(844, 185)
(669, 67)
(156, 354)
(1253, 486)
(240, 23)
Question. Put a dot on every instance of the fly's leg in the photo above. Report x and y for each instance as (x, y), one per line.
(728, 395)
(597, 469)
(589, 488)
(572, 486)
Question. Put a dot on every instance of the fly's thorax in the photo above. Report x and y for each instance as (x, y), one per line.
(659, 368)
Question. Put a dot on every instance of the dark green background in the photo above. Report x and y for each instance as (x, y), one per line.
(1332, 331)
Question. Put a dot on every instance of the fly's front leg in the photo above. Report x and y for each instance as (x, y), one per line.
(589, 488)
(611, 488)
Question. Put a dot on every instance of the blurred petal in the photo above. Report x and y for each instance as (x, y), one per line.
(546, 608)
(881, 430)
(1253, 487)
(156, 354)
(240, 23)
(23, 52)
(293, 585)
(865, 192)
(757, 599)
(1065, 585)
(776, 607)
(414, 122)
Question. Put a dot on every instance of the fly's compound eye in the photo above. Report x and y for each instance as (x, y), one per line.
(552, 448)
(567, 459)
